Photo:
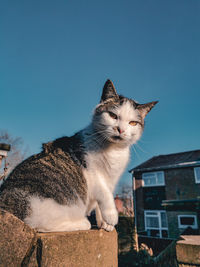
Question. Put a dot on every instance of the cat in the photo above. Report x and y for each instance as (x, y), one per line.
(56, 189)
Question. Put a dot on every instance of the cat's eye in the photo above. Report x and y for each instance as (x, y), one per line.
(133, 123)
(112, 115)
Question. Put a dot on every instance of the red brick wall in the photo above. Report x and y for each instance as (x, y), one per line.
(119, 204)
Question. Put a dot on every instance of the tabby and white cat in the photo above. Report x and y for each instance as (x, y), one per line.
(56, 189)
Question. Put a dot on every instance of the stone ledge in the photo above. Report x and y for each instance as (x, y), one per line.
(188, 250)
(16, 239)
(22, 246)
(80, 248)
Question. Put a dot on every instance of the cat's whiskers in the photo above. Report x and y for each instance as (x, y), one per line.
(136, 153)
(89, 135)
(147, 152)
(99, 137)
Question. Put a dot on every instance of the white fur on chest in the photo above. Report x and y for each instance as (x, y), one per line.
(108, 165)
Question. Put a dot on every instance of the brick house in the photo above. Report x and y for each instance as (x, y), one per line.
(162, 181)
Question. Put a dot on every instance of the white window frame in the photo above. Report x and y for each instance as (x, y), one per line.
(183, 226)
(155, 174)
(197, 175)
(157, 214)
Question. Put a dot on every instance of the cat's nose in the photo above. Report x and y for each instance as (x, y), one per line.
(120, 130)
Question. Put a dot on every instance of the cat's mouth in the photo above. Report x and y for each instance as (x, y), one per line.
(117, 138)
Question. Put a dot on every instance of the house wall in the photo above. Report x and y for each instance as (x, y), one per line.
(179, 184)
(139, 202)
(172, 217)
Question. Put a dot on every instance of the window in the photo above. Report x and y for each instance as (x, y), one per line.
(185, 221)
(197, 174)
(153, 178)
(156, 223)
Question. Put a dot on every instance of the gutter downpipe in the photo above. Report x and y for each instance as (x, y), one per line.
(135, 237)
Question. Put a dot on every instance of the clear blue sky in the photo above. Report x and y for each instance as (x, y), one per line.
(56, 55)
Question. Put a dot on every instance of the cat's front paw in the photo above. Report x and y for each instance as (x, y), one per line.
(107, 227)
(110, 216)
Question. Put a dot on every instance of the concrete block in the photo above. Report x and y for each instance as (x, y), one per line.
(76, 249)
(188, 250)
(22, 246)
(16, 239)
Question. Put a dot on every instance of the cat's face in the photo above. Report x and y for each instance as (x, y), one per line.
(118, 119)
(119, 122)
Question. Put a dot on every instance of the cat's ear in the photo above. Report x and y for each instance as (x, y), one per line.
(145, 108)
(109, 91)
